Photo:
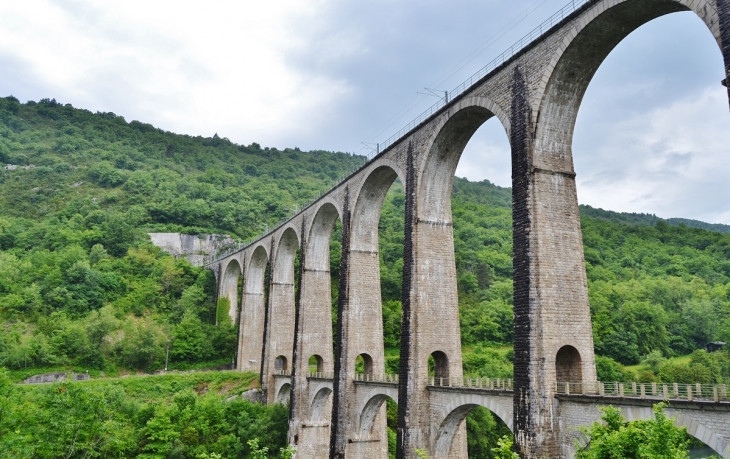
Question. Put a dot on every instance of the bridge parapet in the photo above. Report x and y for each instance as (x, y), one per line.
(660, 391)
(328, 375)
(472, 383)
(384, 378)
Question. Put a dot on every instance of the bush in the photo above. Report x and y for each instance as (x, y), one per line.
(656, 438)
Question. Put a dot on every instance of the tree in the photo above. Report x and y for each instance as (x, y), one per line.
(614, 438)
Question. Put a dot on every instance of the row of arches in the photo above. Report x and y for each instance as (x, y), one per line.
(539, 123)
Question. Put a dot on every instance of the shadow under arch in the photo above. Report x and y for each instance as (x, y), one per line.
(373, 402)
(568, 365)
(455, 412)
(319, 411)
(284, 394)
(577, 60)
(444, 151)
(229, 287)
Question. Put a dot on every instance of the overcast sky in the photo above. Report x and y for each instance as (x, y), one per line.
(652, 136)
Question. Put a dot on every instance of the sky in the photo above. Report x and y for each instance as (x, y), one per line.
(652, 135)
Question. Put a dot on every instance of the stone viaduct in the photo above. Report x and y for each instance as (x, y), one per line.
(286, 333)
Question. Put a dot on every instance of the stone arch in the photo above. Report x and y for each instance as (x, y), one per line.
(696, 429)
(283, 266)
(578, 58)
(454, 413)
(568, 365)
(319, 404)
(444, 149)
(369, 202)
(256, 270)
(229, 286)
(320, 233)
(283, 395)
(370, 406)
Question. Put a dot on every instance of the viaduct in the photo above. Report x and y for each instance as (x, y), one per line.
(535, 91)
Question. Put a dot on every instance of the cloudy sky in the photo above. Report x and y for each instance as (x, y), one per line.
(652, 136)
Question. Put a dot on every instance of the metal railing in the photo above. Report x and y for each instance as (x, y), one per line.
(385, 378)
(670, 391)
(474, 383)
(508, 54)
(320, 375)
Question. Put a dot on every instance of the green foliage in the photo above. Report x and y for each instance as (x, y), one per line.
(504, 449)
(653, 359)
(150, 417)
(656, 438)
(222, 311)
(484, 431)
(608, 369)
(488, 363)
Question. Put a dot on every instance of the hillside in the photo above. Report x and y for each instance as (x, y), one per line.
(81, 285)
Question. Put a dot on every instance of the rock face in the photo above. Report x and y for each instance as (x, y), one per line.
(55, 377)
(190, 246)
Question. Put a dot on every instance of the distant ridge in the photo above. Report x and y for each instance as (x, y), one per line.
(487, 192)
(633, 218)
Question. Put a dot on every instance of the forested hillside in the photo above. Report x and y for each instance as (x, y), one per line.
(82, 286)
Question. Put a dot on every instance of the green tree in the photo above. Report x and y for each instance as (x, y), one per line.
(614, 438)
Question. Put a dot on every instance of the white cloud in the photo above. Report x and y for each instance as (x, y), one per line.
(672, 161)
(180, 65)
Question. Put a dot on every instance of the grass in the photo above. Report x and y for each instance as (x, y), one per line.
(155, 388)
(110, 370)
(681, 360)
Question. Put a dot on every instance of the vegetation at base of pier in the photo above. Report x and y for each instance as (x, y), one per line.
(171, 416)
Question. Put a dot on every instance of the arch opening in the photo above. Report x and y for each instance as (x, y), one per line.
(486, 422)
(253, 312)
(632, 136)
(257, 270)
(568, 365)
(228, 300)
(438, 366)
(315, 364)
(280, 321)
(319, 296)
(281, 364)
(286, 253)
(436, 181)
(364, 365)
(368, 419)
(666, 117)
(377, 248)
